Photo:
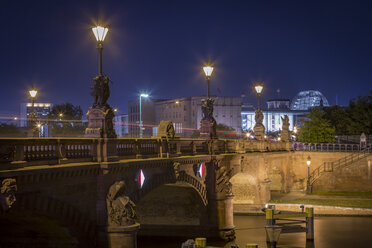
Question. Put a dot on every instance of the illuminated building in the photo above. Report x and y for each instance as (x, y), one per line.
(305, 100)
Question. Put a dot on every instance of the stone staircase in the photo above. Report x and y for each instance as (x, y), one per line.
(327, 167)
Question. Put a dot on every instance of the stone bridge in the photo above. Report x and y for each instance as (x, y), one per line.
(92, 187)
(104, 191)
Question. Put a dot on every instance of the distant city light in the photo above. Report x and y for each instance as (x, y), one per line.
(29, 104)
(60, 114)
(15, 118)
(115, 110)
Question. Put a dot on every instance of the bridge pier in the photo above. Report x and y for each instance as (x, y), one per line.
(226, 218)
(119, 236)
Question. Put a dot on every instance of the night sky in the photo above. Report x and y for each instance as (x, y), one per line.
(158, 47)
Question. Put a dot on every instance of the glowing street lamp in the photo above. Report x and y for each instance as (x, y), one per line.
(308, 187)
(258, 88)
(140, 102)
(32, 116)
(100, 34)
(208, 69)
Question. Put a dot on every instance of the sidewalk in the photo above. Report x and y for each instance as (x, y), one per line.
(322, 204)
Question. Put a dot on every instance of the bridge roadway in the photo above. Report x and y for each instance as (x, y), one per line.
(95, 187)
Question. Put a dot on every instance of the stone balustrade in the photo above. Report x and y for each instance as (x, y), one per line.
(21, 152)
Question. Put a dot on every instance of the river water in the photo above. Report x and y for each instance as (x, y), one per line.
(330, 232)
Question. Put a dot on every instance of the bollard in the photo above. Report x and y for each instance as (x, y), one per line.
(201, 242)
(270, 221)
(309, 223)
(251, 246)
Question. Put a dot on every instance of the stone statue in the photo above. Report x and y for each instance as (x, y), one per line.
(208, 123)
(258, 116)
(285, 136)
(223, 176)
(120, 209)
(8, 188)
(207, 109)
(285, 121)
(100, 91)
(166, 129)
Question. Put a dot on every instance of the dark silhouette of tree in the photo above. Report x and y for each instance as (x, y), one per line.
(64, 120)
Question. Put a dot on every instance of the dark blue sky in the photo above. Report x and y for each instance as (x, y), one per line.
(160, 46)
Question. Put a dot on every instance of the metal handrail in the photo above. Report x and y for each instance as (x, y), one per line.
(342, 162)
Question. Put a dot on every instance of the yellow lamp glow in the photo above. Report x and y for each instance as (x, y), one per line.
(32, 92)
(60, 115)
(100, 33)
(208, 70)
(258, 88)
(308, 162)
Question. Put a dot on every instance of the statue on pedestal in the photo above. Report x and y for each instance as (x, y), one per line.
(100, 115)
(285, 129)
(259, 128)
(208, 123)
(120, 208)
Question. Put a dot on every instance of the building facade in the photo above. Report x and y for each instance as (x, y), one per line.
(121, 125)
(185, 113)
(42, 111)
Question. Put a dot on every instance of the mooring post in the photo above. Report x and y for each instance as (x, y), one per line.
(270, 221)
(309, 223)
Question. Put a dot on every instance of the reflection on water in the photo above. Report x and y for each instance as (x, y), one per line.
(330, 232)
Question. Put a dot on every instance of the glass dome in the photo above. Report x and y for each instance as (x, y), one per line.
(308, 99)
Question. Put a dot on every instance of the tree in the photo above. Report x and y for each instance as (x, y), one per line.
(360, 114)
(65, 121)
(354, 119)
(316, 128)
(339, 118)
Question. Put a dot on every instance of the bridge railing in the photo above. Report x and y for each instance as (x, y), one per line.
(44, 151)
(325, 147)
(47, 150)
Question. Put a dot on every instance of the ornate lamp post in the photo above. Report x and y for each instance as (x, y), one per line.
(308, 186)
(140, 103)
(100, 34)
(208, 123)
(32, 117)
(259, 129)
(208, 69)
(100, 115)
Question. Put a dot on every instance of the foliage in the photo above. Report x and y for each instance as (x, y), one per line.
(10, 130)
(65, 121)
(316, 128)
(354, 119)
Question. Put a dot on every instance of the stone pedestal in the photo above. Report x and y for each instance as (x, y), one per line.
(259, 132)
(100, 123)
(119, 236)
(208, 129)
